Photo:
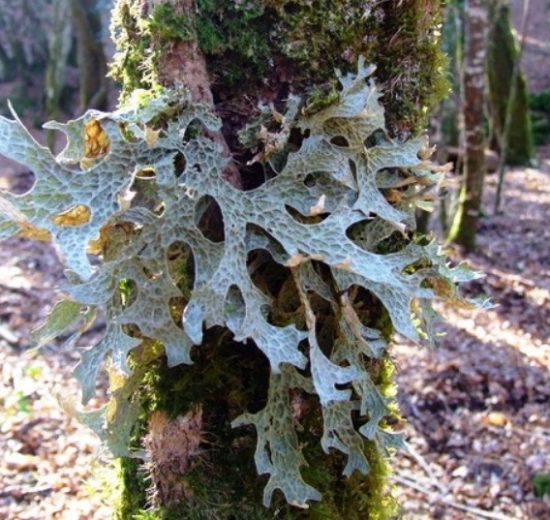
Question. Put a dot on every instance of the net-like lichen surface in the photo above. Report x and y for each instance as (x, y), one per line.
(346, 171)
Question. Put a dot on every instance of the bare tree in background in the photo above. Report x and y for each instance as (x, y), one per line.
(463, 230)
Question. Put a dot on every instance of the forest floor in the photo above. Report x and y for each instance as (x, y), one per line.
(478, 407)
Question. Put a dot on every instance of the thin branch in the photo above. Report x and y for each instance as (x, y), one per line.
(425, 465)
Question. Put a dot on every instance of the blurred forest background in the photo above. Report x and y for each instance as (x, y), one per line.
(477, 408)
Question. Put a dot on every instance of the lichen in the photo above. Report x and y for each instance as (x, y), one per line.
(329, 351)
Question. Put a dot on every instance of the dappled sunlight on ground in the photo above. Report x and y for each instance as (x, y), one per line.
(477, 408)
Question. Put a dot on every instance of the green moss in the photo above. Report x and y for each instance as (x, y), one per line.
(133, 489)
(321, 97)
(141, 40)
(392, 244)
(374, 489)
(168, 25)
(254, 47)
(249, 44)
(411, 64)
(130, 64)
(226, 380)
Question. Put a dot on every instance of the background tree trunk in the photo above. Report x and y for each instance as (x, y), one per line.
(502, 54)
(59, 48)
(463, 230)
(232, 57)
(92, 64)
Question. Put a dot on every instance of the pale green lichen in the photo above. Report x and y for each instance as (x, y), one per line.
(338, 172)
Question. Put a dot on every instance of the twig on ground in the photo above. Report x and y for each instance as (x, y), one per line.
(18, 492)
(409, 481)
(425, 465)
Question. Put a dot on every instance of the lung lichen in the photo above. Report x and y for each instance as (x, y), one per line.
(147, 179)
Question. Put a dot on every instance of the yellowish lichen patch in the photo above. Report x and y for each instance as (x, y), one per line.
(75, 216)
(96, 140)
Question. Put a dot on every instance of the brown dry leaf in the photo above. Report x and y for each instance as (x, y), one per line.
(496, 419)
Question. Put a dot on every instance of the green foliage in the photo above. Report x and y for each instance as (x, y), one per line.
(539, 103)
(541, 483)
(131, 204)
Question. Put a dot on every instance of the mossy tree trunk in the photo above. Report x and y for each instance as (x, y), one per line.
(233, 56)
(463, 230)
(502, 54)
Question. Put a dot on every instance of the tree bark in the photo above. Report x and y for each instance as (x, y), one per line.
(463, 230)
(219, 53)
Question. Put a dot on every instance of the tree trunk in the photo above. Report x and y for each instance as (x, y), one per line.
(463, 230)
(92, 65)
(59, 48)
(502, 53)
(233, 57)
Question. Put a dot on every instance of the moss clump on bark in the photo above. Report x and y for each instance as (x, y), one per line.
(132, 65)
(501, 55)
(411, 64)
(225, 379)
(260, 49)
